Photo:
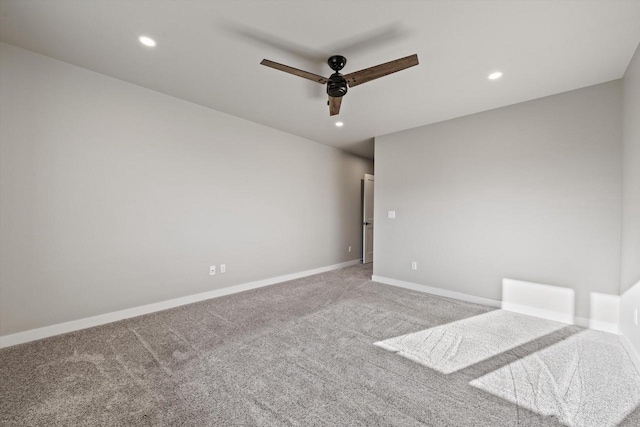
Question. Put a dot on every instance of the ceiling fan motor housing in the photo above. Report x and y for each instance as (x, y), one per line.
(337, 85)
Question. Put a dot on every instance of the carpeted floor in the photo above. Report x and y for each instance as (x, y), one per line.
(333, 349)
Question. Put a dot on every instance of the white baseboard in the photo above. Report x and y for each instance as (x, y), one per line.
(518, 308)
(596, 325)
(579, 321)
(599, 325)
(540, 312)
(89, 322)
(633, 354)
(437, 291)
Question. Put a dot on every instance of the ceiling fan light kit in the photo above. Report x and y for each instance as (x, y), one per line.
(337, 84)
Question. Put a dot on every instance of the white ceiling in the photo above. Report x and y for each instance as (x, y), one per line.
(209, 53)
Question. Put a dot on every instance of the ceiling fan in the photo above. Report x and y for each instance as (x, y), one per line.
(337, 84)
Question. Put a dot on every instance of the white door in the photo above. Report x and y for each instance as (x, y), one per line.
(367, 220)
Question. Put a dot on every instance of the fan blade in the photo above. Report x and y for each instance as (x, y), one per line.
(372, 73)
(304, 74)
(334, 105)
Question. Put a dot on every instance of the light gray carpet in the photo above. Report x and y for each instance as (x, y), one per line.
(584, 380)
(298, 353)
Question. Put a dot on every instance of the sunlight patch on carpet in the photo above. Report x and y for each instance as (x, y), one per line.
(586, 380)
(457, 345)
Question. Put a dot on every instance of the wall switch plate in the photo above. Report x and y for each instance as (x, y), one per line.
(391, 214)
(212, 270)
(414, 265)
(223, 268)
(349, 248)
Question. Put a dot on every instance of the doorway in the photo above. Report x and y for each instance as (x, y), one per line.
(367, 219)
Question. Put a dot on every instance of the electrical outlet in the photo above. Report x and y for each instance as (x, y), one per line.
(391, 214)
(414, 265)
(349, 248)
(212, 270)
(223, 268)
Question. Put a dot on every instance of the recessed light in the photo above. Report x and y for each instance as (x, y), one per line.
(339, 124)
(495, 76)
(147, 41)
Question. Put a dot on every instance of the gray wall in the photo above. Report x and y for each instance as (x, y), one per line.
(114, 196)
(530, 191)
(631, 175)
(630, 285)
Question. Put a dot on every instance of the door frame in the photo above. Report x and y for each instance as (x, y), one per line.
(365, 223)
